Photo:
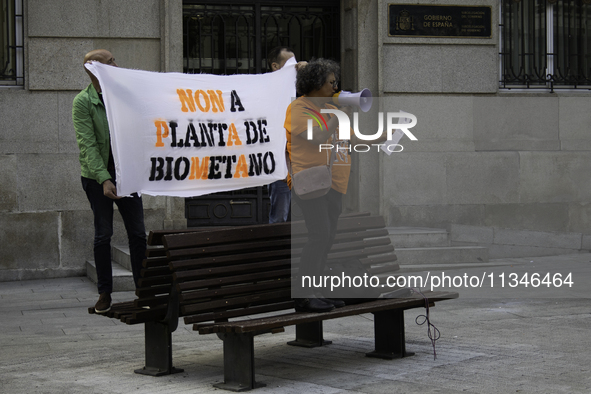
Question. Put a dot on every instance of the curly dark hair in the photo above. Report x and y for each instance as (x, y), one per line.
(314, 75)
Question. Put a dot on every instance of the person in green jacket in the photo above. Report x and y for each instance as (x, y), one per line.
(99, 183)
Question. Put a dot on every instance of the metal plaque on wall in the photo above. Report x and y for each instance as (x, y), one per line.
(411, 20)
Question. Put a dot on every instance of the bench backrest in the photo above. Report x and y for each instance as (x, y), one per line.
(232, 272)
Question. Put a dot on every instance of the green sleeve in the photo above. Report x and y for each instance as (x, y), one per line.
(90, 155)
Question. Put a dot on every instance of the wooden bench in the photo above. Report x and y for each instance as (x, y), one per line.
(215, 279)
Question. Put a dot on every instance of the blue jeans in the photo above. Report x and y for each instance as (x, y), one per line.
(280, 197)
(132, 212)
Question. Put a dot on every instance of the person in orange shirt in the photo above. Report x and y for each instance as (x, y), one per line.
(317, 82)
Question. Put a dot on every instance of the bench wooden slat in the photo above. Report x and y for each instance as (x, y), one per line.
(267, 323)
(184, 276)
(152, 291)
(237, 258)
(252, 310)
(153, 262)
(232, 291)
(266, 297)
(157, 280)
(229, 280)
(155, 236)
(228, 235)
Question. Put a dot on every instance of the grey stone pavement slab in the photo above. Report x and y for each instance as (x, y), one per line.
(493, 340)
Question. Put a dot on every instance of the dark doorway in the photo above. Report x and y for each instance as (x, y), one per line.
(233, 37)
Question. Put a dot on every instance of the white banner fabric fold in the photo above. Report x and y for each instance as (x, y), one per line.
(186, 135)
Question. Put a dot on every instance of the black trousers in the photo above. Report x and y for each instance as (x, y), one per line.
(321, 216)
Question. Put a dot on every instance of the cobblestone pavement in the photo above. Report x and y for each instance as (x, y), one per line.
(499, 340)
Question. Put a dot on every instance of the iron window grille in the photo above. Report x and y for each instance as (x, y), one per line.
(11, 37)
(545, 44)
(234, 37)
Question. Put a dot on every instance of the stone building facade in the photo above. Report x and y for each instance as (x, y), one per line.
(507, 168)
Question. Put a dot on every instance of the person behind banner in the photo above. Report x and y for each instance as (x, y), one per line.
(317, 82)
(99, 183)
(279, 193)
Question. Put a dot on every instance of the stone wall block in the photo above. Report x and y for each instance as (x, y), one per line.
(434, 216)
(414, 178)
(533, 216)
(29, 241)
(50, 182)
(444, 123)
(579, 217)
(71, 18)
(77, 238)
(66, 133)
(574, 115)
(482, 178)
(538, 238)
(57, 63)
(439, 69)
(547, 177)
(142, 54)
(134, 18)
(8, 182)
(30, 122)
(94, 18)
(516, 123)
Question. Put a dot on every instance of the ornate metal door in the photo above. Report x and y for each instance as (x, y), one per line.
(233, 37)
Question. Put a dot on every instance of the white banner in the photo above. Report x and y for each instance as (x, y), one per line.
(187, 135)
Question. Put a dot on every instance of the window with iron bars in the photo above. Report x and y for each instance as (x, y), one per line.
(11, 39)
(545, 44)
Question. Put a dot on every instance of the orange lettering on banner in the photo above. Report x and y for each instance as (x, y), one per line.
(212, 99)
(199, 171)
(198, 100)
(241, 167)
(186, 99)
(160, 125)
(216, 101)
(233, 137)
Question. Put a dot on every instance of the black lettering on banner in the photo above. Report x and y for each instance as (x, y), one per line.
(221, 128)
(255, 136)
(214, 167)
(236, 102)
(255, 132)
(168, 176)
(157, 169)
(177, 168)
(191, 135)
(269, 157)
(256, 164)
(173, 125)
(262, 130)
(209, 133)
(203, 131)
(229, 160)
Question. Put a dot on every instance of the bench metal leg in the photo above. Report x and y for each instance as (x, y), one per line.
(238, 363)
(389, 335)
(309, 335)
(158, 350)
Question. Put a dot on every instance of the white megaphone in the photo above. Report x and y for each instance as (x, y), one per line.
(361, 99)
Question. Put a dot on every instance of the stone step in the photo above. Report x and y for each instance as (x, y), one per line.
(122, 278)
(120, 255)
(441, 255)
(417, 237)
